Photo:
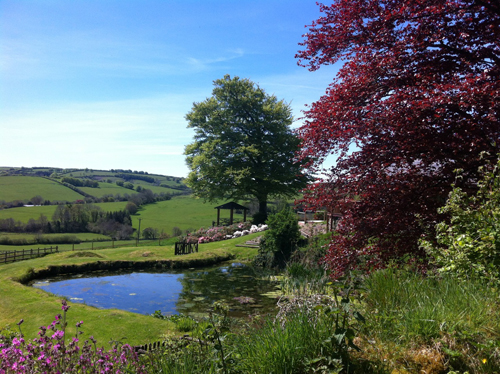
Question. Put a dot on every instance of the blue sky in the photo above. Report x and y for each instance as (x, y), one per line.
(106, 84)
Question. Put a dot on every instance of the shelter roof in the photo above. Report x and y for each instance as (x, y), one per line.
(231, 205)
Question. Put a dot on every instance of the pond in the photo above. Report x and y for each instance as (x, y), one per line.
(192, 292)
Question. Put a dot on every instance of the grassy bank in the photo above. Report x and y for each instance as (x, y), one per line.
(38, 308)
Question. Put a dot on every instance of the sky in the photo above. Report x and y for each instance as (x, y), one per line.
(107, 84)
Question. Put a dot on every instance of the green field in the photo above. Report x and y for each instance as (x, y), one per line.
(24, 188)
(107, 189)
(184, 212)
(24, 214)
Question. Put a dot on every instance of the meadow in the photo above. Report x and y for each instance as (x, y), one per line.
(24, 214)
(24, 188)
(184, 212)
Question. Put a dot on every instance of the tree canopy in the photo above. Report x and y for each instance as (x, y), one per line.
(243, 145)
(416, 98)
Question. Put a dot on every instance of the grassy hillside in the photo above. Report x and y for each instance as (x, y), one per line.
(184, 212)
(24, 214)
(107, 189)
(24, 188)
(25, 183)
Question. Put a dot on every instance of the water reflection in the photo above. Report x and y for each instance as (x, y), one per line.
(189, 292)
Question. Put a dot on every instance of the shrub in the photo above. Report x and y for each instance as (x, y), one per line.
(282, 237)
(176, 231)
(469, 244)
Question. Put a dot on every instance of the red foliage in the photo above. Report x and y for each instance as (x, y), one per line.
(418, 95)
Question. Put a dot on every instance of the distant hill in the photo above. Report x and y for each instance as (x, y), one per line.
(45, 185)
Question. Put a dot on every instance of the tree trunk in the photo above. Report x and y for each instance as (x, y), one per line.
(261, 217)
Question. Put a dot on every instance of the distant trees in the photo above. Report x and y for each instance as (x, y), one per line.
(150, 233)
(131, 208)
(37, 200)
(137, 176)
(80, 182)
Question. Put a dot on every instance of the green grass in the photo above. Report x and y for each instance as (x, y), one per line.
(407, 305)
(184, 212)
(83, 236)
(24, 188)
(38, 308)
(107, 189)
(24, 214)
(113, 189)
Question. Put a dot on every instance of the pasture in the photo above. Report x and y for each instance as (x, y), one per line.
(184, 212)
(24, 214)
(107, 189)
(24, 188)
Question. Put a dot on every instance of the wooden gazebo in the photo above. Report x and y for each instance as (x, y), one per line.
(232, 206)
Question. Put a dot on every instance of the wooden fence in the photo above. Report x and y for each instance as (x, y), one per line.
(149, 347)
(25, 254)
(182, 248)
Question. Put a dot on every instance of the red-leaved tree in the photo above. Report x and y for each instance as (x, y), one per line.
(417, 98)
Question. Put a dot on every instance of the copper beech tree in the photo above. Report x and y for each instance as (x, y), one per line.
(416, 98)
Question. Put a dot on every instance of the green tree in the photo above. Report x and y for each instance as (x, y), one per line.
(243, 145)
(149, 233)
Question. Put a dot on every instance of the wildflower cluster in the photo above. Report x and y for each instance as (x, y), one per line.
(215, 234)
(50, 353)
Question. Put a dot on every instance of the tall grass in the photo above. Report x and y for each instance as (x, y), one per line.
(288, 348)
(404, 306)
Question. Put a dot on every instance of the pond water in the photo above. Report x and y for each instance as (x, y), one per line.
(191, 292)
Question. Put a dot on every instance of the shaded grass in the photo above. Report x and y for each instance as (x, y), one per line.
(38, 308)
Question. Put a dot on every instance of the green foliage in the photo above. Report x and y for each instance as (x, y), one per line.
(149, 233)
(77, 182)
(469, 244)
(131, 208)
(282, 236)
(243, 145)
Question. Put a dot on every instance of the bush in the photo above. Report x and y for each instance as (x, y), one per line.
(282, 237)
(176, 231)
(469, 244)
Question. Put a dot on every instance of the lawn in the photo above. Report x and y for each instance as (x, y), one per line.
(24, 188)
(38, 308)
